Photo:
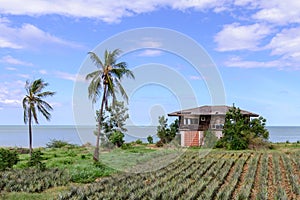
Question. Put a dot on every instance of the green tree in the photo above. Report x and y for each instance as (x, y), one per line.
(33, 102)
(113, 120)
(105, 82)
(239, 131)
(150, 139)
(166, 134)
(117, 138)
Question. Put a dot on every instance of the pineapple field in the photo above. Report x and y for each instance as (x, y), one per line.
(216, 175)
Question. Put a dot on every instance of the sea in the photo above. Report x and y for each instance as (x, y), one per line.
(17, 136)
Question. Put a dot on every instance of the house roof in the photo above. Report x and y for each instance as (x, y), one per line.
(209, 110)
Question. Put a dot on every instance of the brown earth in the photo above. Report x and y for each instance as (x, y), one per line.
(255, 188)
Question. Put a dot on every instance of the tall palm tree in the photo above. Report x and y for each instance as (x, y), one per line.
(33, 102)
(105, 82)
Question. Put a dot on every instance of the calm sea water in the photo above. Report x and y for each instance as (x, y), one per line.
(18, 135)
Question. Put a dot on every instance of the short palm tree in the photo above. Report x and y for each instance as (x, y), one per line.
(33, 102)
(105, 82)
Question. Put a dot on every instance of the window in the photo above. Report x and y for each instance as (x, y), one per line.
(217, 126)
(188, 121)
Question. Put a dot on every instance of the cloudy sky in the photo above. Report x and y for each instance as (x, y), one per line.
(254, 46)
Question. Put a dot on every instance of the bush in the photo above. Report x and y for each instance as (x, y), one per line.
(8, 158)
(36, 159)
(117, 138)
(88, 174)
(57, 144)
(150, 139)
(126, 146)
(138, 141)
(159, 143)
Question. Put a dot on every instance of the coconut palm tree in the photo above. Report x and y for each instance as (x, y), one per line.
(105, 82)
(33, 102)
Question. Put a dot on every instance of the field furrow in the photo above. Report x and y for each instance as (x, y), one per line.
(271, 178)
(241, 178)
(257, 179)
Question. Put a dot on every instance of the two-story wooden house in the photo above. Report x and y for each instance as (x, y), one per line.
(195, 121)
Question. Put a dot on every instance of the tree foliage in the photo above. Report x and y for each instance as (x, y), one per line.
(8, 158)
(113, 123)
(117, 138)
(166, 134)
(150, 139)
(240, 132)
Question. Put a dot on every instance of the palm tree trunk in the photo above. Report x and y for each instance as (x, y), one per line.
(30, 133)
(96, 152)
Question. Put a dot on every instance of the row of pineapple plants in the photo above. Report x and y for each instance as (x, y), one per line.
(263, 178)
(292, 177)
(277, 178)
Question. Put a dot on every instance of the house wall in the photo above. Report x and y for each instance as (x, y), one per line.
(190, 138)
(193, 134)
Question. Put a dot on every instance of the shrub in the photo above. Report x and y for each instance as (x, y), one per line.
(138, 141)
(126, 146)
(159, 143)
(35, 160)
(57, 144)
(8, 158)
(117, 138)
(150, 139)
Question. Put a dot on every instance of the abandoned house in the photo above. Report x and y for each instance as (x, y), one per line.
(195, 121)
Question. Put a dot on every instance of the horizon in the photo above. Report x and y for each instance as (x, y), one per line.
(251, 50)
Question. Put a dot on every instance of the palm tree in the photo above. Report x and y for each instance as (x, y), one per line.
(33, 101)
(105, 82)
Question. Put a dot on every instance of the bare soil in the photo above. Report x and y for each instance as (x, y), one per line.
(241, 178)
(255, 188)
(271, 186)
(285, 181)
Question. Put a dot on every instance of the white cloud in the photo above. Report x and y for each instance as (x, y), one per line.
(70, 77)
(28, 36)
(43, 72)
(26, 76)
(106, 10)
(244, 2)
(279, 12)
(241, 37)
(149, 42)
(240, 63)
(11, 94)
(11, 60)
(286, 43)
(151, 53)
(11, 68)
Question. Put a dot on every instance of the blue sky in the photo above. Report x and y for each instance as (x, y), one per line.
(254, 45)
